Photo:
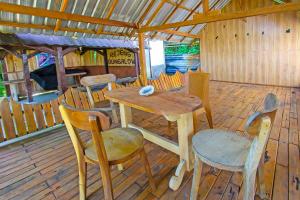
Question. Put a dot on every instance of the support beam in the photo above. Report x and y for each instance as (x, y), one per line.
(12, 51)
(27, 10)
(142, 58)
(5, 75)
(187, 17)
(62, 9)
(173, 32)
(171, 14)
(68, 50)
(152, 17)
(141, 20)
(226, 16)
(205, 6)
(26, 72)
(60, 70)
(110, 12)
(137, 64)
(68, 29)
(105, 61)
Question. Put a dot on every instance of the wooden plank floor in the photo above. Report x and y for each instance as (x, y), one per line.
(45, 167)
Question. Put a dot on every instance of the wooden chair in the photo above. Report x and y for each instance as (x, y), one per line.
(197, 83)
(107, 147)
(230, 151)
(89, 81)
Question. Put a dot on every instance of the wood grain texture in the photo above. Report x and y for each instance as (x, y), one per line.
(260, 50)
(46, 167)
(166, 103)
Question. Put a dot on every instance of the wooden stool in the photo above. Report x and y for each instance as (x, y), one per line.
(109, 147)
(230, 151)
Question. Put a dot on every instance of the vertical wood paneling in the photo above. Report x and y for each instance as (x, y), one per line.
(253, 50)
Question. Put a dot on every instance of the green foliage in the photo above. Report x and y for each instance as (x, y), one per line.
(172, 48)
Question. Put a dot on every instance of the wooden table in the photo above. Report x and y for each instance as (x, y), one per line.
(174, 106)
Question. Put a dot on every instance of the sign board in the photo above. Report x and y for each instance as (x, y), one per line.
(120, 57)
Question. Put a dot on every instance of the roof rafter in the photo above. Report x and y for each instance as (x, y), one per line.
(171, 14)
(62, 9)
(169, 31)
(142, 18)
(187, 17)
(27, 10)
(202, 18)
(160, 5)
(210, 12)
(180, 6)
(109, 14)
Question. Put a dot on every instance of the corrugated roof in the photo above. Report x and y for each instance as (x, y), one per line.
(28, 39)
(125, 10)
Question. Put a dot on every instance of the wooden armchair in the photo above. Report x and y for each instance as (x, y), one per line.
(230, 151)
(197, 83)
(107, 147)
(90, 81)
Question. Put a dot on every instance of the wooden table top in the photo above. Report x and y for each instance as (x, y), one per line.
(162, 103)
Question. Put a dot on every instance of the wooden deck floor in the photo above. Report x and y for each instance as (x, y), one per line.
(45, 167)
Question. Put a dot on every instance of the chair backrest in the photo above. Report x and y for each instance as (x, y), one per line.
(92, 121)
(89, 81)
(197, 83)
(256, 150)
(271, 104)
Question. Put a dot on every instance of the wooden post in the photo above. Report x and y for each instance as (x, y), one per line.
(105, 61)
(26, 71)
(205, 6)
(142, 58)
(60, 70)
(5, 76)
(137, 63)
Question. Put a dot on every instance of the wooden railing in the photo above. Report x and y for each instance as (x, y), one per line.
(20, 119)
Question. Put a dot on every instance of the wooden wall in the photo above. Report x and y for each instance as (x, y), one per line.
(261, 50)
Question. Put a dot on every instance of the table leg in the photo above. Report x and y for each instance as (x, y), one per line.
(185, 134)
(125, 115)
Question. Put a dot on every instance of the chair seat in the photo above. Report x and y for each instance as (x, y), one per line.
(222, 149)
(119, 143)
(102, 104)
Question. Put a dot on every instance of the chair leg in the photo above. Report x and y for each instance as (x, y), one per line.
(82, 166)
(196, 178)
(260, 180)
(208, 116)
(148, 170)
(249, 184)
(114, 113)
(107, 182)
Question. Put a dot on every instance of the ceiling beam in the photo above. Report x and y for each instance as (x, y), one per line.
(200, 19)
(170, 15)
(187, 17)
(211, 12)
(143, 16)
(46, 27)
(169, 31)
(180, 6)
(27, 10)
(109, 14)
(62, 9)
(152, 17)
